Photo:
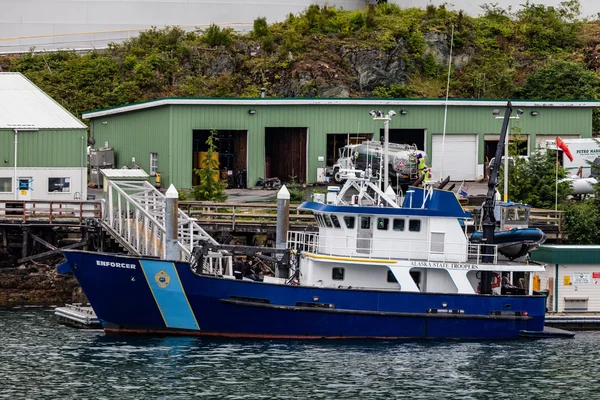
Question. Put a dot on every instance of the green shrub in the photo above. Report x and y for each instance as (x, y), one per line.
(261, 28)
(215, 36)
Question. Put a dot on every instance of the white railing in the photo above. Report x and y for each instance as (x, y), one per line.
(135, 212)
(393, 248)
(303, 241)
(217, 264)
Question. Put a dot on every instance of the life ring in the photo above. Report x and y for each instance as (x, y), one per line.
(496, 280)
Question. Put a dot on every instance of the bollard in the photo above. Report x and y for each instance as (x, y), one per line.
(171, 222)
(283, 223)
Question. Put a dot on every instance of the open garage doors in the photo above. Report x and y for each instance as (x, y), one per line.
(285, 153)
(232, 154)
(407, 136)
(459, 157)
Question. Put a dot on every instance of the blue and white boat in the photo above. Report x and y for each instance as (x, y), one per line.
(377, 268)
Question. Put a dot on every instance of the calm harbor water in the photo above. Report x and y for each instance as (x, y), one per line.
(40, 359)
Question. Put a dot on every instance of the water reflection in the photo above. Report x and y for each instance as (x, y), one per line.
(42, 359)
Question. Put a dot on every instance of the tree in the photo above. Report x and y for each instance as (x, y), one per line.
(211, 188)
(583, 218)
(561, 80)
(532, 180)
(583, 222)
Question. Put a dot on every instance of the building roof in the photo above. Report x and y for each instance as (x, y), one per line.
(355, 102)
(123, 173)
(567, 254)
(23, 105)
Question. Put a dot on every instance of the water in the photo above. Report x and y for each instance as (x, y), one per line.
(40, 359)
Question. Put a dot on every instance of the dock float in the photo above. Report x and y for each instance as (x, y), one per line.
(547, 333)
(78, 315)
(579, 322)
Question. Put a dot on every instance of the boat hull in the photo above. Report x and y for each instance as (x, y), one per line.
(142, 296)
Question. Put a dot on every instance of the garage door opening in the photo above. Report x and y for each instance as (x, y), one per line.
(232, 154)
(335, 141)
(491, 144)
(285, 154)
(406, 136)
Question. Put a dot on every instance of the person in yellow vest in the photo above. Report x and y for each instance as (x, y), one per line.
(420, 164)
(426, 175)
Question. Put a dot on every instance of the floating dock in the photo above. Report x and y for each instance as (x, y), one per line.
(78, 315)
(574, 322)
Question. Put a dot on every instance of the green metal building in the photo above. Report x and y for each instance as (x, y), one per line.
(299, 137)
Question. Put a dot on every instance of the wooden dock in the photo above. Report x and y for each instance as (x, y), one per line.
(44, 228)
(245, 217)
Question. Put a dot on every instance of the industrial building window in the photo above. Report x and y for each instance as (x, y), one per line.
(337, 274)
(5, 185)
(153, 164)
(59, 185)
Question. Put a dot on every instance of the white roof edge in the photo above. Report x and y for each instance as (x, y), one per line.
(356, 102)
(77, 124)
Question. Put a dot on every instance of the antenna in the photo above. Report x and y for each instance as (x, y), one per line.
(446, 103)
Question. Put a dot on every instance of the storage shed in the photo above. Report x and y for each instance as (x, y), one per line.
(42, 146)
(298, 138)
(572, 277)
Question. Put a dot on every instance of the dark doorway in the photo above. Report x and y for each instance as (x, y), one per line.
(285, 154)
(232, 152)
(491, 145)
(336, 141)
(406, 136)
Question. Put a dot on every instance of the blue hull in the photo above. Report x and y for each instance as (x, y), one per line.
(136, 295)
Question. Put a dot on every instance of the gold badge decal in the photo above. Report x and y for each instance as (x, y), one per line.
(162, 279)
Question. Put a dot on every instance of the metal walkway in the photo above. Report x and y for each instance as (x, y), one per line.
(134, 215)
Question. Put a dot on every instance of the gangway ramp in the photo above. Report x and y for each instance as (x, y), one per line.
(134, 215)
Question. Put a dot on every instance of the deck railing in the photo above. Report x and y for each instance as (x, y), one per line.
(417, 250)
(51, 211)
(232, 214)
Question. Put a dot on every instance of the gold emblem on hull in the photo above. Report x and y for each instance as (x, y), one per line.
(162, 279)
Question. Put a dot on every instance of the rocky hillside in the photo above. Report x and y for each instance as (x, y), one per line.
(384, 51)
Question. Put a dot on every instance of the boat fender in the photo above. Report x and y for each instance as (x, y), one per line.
(496, 280)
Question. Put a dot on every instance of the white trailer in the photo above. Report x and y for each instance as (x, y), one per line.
(584, 152)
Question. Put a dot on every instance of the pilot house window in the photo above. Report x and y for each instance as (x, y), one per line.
(365, 222)
(335, 221)
(349, 222)
(414, 225)
(398, 225)
(382, 224)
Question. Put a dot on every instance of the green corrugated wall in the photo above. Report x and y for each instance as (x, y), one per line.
(137, 135)
(44, 148)
(167, 130)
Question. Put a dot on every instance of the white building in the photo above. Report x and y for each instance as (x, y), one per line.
(572, 277)
(42, 146)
